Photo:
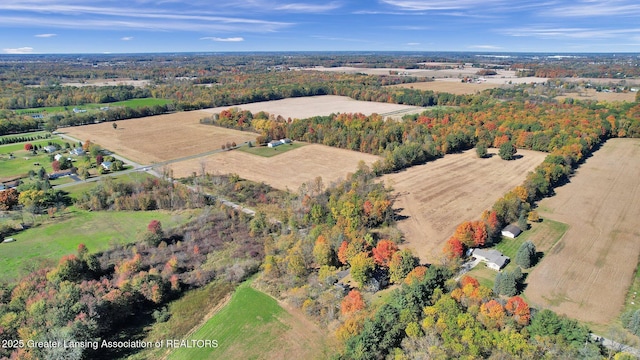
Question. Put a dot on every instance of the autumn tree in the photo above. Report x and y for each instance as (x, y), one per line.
(8, 199)
(352, 303)
(28, 146)
(362, 266)
(453, 249)
(322, 252)
(55, 165)
(492, 314)
(383, 252)
(401, 264)
(519, 310)
(154, 233)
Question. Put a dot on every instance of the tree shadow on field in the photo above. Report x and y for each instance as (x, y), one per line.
(399, 217)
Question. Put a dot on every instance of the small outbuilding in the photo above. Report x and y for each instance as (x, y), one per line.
(106, 165)
(493, 258)
(511, 231)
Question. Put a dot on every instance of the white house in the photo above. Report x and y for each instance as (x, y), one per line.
(106, 165)
(511, 231)
(275, 143)
(493, 258)
(58, 157)
(50, 148)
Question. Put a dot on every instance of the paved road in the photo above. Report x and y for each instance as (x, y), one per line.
(616, 346)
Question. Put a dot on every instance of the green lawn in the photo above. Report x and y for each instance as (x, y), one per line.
(97, 230)
(81, 187)
(269, 152)
(248, 326)
(133, 103)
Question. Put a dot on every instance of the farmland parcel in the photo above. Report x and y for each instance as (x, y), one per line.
(587, 273)
(439, 195)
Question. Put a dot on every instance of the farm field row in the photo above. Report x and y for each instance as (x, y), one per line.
(588, 272)
(437, 196)
(287, 171)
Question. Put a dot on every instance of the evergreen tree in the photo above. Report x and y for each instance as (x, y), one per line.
(526, 255)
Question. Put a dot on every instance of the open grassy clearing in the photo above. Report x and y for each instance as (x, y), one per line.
(97, 230)
(160, 138)
(587, 274)
(286, 171)
(437, 196)
(132, 103)
(82, 186)
(22, 161)
(266, 151)
(254, 326)
(187, 313)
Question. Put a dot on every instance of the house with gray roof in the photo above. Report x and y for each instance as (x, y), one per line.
(493, 258)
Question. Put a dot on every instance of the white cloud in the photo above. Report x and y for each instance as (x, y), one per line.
(308, 8)
(595, 9)
(229, 39)
(422, 5)
(45, 35)
(574, 33)
(413, 44)
(127, 38)
(22, 50)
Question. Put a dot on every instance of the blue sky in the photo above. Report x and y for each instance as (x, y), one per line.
(110, 26)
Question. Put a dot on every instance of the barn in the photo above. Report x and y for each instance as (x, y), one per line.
(511, 231)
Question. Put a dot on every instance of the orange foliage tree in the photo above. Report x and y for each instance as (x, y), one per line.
(383, 252)
(491, 314)
(352, 303)
(453, 248)
(519, 310)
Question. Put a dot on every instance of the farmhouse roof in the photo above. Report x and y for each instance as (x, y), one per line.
(513, 229)
(491, 256)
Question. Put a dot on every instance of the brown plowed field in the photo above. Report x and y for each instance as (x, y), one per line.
(439, 195)
(285, 171)
(586, 275)
(159, 138)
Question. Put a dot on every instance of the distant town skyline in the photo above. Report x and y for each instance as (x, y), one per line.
(145, 26)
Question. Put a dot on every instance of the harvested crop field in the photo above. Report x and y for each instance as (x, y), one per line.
(159, 138)
(305, 107)
(592, 94)
(457, 87)
(586, 275)
(287, 170)
(439, 195)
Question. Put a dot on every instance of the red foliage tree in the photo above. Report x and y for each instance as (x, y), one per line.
(28, 146)
(55, 165)
(154, 227)
(519, 309)
(479, 233)
(99, 159)
(453, 248)
(383, 252)
(352, 303)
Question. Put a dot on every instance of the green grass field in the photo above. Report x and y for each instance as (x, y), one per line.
(23, 160)
(97, 230)
(28, 134)
(133, 103)
(269, 152)
(249, 325)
